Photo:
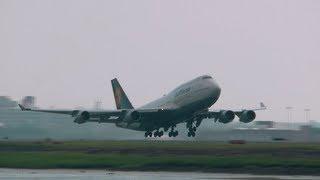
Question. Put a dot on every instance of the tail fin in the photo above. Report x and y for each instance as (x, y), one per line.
(122, 101)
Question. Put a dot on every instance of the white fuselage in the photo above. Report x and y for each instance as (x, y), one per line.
(197, 94)
(186, 100)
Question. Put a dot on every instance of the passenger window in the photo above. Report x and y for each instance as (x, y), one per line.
(207, 77)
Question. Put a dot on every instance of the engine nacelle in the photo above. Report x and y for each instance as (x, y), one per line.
(75, 113)
(82, 117)
(247, 116)
(226, 117)
(135, 115)
(132, 116)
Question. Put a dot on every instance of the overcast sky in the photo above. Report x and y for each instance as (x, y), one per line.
(66, 52)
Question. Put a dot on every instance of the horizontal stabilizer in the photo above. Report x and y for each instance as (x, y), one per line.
(262, 106)
(23, 108)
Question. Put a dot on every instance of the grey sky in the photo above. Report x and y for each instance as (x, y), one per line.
(66, 52)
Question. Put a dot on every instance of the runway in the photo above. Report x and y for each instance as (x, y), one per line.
(62, 174)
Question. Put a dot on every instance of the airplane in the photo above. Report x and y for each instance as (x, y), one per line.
(189, 103)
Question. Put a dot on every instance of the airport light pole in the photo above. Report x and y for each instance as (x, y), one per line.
(289, 109)
(307, 111)
(97, 105)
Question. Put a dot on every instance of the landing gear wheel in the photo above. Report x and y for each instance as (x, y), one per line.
(155, 134)
(194, 129)
(158, 133)
(189, 124)
(148, 134)
(173, 133)
(198, 123)
(191, 134)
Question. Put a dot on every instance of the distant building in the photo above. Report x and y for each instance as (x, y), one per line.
(29, 101)
(303, 133)
(264, 124)
(6, 102)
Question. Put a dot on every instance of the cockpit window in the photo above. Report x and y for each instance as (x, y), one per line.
(206, 77)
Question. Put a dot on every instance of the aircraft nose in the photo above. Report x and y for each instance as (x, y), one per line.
(216, 90)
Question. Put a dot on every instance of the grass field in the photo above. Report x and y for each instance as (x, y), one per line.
(267, 158)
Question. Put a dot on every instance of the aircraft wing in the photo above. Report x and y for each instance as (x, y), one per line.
(226, 116)
(83, 116)
(151, 115)
(106, 115)
(69, 112)
(262, 107)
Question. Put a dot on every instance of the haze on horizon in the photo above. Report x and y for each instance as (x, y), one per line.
(66, 52)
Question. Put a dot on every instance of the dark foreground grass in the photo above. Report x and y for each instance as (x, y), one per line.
(163, 156)
(183, 145)
(121, 161)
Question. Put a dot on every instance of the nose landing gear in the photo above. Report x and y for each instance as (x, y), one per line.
(191, 134)
(192, 129)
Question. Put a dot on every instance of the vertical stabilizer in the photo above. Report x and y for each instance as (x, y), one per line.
(122, 101)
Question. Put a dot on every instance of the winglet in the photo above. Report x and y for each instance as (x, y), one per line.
(262, 106)
(23, 108)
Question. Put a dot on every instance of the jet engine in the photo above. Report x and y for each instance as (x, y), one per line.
(135, 115)
(81, 117)
(75, 113)
(247, 116)
(226, 116)
(132, 116)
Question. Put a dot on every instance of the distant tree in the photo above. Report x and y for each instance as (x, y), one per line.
(6, 102)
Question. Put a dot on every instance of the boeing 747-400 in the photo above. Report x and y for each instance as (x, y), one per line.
(189, 103)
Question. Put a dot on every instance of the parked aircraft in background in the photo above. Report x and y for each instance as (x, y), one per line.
(189, 103)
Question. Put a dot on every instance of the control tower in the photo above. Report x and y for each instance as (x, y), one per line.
(29, 101)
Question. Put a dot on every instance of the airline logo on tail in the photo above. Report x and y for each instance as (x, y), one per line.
(121, 99)
(117, 97)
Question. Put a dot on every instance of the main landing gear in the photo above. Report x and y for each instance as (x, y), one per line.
(157, 133)
(173, 133)
(148, 134)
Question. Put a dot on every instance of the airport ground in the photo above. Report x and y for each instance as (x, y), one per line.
(252, 158)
